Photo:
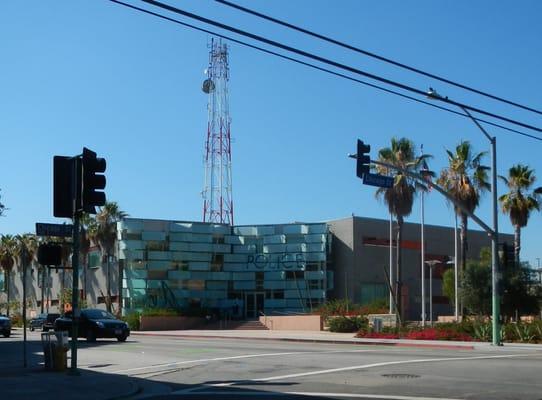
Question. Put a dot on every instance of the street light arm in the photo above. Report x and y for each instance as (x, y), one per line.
(419, 177)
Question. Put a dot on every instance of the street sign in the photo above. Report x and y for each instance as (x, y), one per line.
(60, 230)
(378, 180)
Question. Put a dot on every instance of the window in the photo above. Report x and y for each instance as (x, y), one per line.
(295, 275)
(94, 259)
(218, 239)
(217, 262)
(155, 245)
(131, 236)
(373, 291)
(278, 294)
(193, 284)
(315, 284)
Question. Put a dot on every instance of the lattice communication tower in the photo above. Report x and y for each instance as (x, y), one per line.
(217, 190)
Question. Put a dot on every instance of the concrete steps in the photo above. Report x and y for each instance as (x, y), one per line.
(252, 325)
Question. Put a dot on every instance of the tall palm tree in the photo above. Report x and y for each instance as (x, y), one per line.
(104, 233)
(465, 179)
(26, 247)
(2, 208)
(400, 197)
(519, 202)
(7, 261)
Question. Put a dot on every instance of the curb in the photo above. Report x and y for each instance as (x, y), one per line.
(324, 341)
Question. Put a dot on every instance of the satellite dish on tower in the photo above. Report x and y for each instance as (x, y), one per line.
(208, 86)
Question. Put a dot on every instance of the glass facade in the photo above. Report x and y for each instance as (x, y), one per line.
(240, 270)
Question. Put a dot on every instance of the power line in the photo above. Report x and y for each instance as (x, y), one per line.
(338, 74)
(329, 62)
(373, 55)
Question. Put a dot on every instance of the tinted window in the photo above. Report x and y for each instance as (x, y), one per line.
(97, 314)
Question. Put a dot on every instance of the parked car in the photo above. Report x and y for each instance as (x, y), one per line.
(5, 326)
(94, 324)
(44, 321)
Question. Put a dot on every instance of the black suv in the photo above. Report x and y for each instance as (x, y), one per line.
(44, 321)
(5, 326)
(94, 324)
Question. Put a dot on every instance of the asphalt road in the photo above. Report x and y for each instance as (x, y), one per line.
(169, 368)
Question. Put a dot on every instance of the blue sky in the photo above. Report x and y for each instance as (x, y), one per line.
(127, 85)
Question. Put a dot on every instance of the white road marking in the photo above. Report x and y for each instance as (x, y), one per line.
(382, 364)
(369, 396)
(177, 363)
(316, 394)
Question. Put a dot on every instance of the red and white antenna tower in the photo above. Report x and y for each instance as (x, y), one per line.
(217, 190)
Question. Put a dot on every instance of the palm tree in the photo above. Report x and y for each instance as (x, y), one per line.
(2, 208)
(104, 233)
(7, 260)
(26, 247)
(519, 202)
(400, 197)
(464, 179)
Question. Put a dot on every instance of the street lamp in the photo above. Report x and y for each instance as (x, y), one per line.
(495, 234)
(431, 264)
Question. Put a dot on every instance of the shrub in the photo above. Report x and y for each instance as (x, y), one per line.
(133, 320)
(347, 324)
(160, 312)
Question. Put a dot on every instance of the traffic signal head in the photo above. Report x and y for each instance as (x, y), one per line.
(93, 181)
(63, 186)
(50, 254)
(363, 159)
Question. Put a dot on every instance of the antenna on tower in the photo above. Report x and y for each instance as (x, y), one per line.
(217, 188)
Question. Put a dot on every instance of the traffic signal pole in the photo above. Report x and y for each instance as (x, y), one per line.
(75, 265)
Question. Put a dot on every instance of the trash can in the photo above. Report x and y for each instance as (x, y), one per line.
(55, 348)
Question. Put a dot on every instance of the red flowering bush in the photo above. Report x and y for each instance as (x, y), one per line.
(437, 334)
(378, 335)
(430, 333)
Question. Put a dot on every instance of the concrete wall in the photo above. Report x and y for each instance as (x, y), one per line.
(170, 323)
(294, 323)
(361, 256)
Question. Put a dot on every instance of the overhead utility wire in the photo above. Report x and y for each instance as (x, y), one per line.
(330, 62)
(319, 68)
(373, 55)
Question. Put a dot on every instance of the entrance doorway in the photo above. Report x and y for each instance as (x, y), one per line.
(253, 304)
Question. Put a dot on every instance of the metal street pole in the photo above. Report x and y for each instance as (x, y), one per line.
(24, 305)
(391, 266)
(423, 258)
(431, 294)
(456, 274)
(495, 273)
(75, 266)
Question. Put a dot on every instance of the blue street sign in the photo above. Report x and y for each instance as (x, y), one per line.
(378, 180)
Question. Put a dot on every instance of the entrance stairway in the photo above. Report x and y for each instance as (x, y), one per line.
(238, 325)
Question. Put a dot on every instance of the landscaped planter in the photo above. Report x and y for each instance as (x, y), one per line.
(170, 323)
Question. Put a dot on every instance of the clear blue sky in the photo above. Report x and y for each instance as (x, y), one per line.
(127, 85)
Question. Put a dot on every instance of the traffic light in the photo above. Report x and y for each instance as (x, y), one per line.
(507, 256)
(63, 186)
(362, 159)
(50, 254)
(93, 181)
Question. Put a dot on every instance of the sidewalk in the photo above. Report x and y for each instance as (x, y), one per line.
(328, 337)
(34, 382)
